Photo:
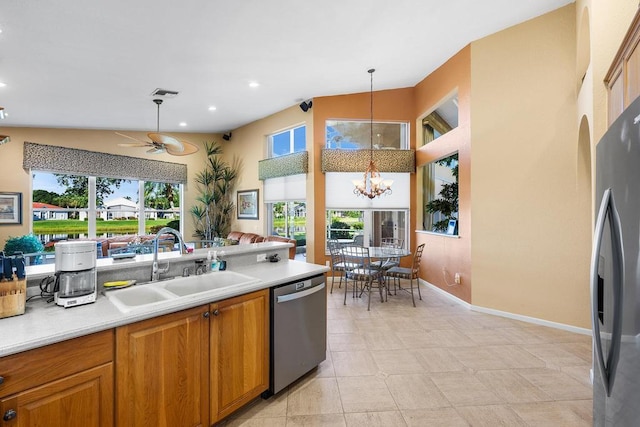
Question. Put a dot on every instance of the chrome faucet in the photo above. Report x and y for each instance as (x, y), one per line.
(155, 269)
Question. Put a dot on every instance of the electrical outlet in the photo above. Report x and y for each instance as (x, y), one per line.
(457, 278)
(262, 258)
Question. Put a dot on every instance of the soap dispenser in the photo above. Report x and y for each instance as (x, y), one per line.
(215, 264)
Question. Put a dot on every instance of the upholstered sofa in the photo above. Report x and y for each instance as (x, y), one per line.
(246, 238)
(110, 244)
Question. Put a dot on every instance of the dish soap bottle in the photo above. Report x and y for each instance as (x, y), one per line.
(215, 264)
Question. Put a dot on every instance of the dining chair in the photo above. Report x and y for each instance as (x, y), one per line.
(387, 263)
(358, 240)
(362, 274)
(411, 274)
(337, 261)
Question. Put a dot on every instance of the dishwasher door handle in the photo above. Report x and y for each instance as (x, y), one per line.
(301, 294)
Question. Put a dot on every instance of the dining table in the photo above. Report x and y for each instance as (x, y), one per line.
(379, 252)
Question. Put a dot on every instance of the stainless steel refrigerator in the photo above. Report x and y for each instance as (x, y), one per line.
(615, 274)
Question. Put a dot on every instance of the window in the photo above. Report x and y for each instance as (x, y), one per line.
(289, 219)
(441, 120)
(289, 141)
(356, 135)
(71, 206)
(161, 201)
(373, 225)
(285, 196)
(440, 195)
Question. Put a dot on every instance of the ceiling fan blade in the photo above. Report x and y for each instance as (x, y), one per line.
(132, 138)
(188, 148)
(134, 144)
(166, 140)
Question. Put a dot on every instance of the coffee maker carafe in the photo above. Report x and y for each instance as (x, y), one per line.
(76, 276)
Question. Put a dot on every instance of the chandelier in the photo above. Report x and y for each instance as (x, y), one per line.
(372, 185)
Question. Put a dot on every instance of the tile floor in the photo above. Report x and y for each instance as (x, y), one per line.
(438, 364)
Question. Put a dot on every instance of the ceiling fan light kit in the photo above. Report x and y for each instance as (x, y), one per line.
(161, 143)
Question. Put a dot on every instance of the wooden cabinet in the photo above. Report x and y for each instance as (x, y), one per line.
(239, 352)
(194, 367)
(623, 78)
(66, 384)
(162, 370)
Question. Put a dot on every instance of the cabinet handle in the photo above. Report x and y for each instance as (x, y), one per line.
(9, 415)
(215, 312)
(1, 379)
(205, 314)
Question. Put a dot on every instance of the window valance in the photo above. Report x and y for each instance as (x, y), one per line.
(337, 160)
(290, 164)
(51, 158)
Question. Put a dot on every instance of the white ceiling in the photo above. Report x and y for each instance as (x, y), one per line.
(93, 64)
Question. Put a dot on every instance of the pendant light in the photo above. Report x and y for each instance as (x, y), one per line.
(372, 185)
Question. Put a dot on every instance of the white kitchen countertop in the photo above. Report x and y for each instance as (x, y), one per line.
(46, 323)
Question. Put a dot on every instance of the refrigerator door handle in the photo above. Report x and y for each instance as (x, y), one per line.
(608, 210)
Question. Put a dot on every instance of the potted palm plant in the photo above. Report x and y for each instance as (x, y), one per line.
(214, 208)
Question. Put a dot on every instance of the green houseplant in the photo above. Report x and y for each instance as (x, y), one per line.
(213, 211)
(27, 244)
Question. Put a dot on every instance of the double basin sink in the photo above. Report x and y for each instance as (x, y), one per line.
(155, 293)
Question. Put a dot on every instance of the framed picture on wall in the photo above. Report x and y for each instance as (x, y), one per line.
(10, 208)
(247, 205)
(452, 229)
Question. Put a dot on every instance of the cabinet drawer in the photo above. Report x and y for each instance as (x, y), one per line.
(34, 367)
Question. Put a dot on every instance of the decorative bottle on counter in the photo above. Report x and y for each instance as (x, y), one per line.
(214, 264)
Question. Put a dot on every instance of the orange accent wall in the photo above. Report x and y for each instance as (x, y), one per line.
(444, 252)
(392, 105)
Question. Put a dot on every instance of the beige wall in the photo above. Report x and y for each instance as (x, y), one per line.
(601, 27)
(249, 145)
(531, 234)
(15, 179)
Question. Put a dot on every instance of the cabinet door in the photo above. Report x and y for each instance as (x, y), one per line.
(162, 369)
(84, 399)
(239, 351)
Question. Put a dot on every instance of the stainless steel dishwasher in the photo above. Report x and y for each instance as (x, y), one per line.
(298, 330)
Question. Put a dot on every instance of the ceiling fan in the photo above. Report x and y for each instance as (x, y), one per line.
(161, 143)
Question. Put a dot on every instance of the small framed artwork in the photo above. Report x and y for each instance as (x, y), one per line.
(247, 204)
(10, 208)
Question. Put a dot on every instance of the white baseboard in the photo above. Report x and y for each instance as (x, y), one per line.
(506, 314)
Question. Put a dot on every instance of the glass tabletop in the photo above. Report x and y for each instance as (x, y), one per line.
(387, 252)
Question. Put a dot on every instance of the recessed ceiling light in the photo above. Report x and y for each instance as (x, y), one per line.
(2, 84)
(254, 84)
(183, 124)
(212, 108)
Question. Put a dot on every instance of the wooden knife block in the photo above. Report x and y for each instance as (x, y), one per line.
(13, 296)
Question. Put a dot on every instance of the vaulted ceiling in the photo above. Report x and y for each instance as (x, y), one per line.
(80, 64)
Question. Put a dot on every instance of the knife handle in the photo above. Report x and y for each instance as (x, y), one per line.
(19, 265)
(8, 268)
